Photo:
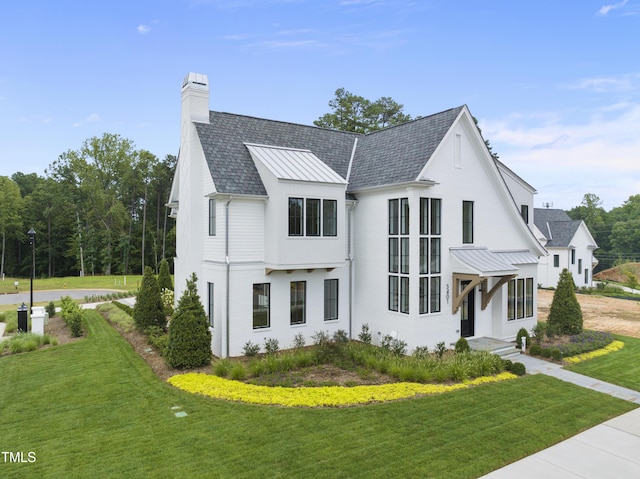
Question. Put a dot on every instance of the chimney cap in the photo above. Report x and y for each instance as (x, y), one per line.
(198, 79)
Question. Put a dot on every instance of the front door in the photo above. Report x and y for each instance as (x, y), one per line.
(467, 312)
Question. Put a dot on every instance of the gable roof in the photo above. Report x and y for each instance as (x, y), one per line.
(385, 157)
(556, 225)
(398, 154)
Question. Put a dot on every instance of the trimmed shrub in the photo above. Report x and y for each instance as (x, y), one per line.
(522, 333)
(124, 307)
(189, 342)
(556, 354)
(565, 312)
(149, 310)
(51, 309)
(518, 369)
(508, 364)
(164, 277)
(462, 346)
(72, 316)
(158, 338)
(535, 349)
(545, 353)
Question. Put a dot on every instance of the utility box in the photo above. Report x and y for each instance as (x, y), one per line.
(23, 320)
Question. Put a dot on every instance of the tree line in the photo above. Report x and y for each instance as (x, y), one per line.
(617, 232)
(97, 210)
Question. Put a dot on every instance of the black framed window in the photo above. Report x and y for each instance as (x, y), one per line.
(212, 217)
(313, 217)
(296, 213)
(210, 303)
(467, 222)
(261, 303)
(330, 299)
(298, 302)
(556, 260)
(329, 217)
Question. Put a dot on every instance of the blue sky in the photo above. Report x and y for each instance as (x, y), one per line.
(554, 84)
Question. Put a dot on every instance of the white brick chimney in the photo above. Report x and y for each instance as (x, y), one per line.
(195, 98)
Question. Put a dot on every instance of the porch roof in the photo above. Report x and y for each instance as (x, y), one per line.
(483, 262)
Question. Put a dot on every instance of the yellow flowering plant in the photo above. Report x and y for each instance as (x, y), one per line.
(327, 396)
(609, 348)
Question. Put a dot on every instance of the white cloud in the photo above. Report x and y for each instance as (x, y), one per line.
(620, 83)
(143, 29)
(94, 117)
(605, 9)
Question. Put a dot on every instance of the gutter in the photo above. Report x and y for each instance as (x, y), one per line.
(350, 258)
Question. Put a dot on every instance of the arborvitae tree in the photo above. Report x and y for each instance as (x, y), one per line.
(164, 277)
(189, 343)
(148, 310)
(565, 314)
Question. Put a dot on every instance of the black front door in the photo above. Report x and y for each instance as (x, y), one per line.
(467, 312)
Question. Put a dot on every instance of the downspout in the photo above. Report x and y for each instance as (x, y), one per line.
(350, 258)
(226, 255)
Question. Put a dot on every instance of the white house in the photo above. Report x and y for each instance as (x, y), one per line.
(570, 245)
(294, 229)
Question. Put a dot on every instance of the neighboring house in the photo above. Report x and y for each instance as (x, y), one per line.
(294, 229)
(570, 245)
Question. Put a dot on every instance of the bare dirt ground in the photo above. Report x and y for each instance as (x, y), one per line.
(620, 316)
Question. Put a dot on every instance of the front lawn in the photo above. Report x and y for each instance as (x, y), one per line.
(93, 408)
(621, 368)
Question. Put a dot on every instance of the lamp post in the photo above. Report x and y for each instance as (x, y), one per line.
(32, 242)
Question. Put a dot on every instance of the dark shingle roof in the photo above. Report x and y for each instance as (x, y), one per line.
(230, 163)
(397, 154)
(389, 156)
(556, 223)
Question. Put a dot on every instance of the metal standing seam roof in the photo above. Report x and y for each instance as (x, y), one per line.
(294, 164)
(483, 261)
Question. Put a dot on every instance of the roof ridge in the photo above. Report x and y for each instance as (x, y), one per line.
(420, 118)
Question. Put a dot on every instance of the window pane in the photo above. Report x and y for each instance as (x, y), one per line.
(329, 217)
(556, 261)
(579, 266)
(393, 255)
(435, 294)
(524, 212)
(330, 299)
(404, 216)
(424, 295)
(393, 293)
(436, 206)
(404, 255)
(467, 221)
(424, 216)
(212, 217)
(296, 211)
(393, 217)
(313, 217)
(520, 298)
(210, 302)
(529, 298)
(424, 255)
(298, 302)
(435, 255)
(261, 293)
(404, 294)
(511, 300)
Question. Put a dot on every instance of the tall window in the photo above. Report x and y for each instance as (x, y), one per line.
(330, 299)
(298, 302)
(556, 260)
(212, 217)
(524, 212)
(329, 217)
(296, 212)
(579, 266)
(210, 303)
(429, 301)
(399, 254)
(573, 256)
(261, 301)
(313, 217)
(520, 298)
(467, 221)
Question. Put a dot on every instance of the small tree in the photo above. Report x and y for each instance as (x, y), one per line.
(164, 277)
(189, 343)
(148, 310)
(565, 315)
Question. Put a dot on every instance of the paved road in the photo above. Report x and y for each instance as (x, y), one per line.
(50, 295)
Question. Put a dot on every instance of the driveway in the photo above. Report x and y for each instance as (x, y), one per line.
(50, 295)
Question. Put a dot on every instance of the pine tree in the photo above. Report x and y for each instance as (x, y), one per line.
(164, 277)
(148, 310)
(565, 314)
(189, 343)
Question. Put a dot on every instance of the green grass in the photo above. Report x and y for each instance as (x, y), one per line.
(72, 282)
(621, 367)
(93, 408)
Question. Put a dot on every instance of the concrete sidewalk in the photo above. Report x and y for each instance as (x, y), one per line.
(609, 450)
